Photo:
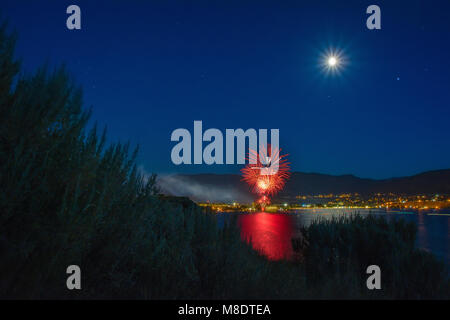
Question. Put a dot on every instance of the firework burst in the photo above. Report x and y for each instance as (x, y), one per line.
(266, 175)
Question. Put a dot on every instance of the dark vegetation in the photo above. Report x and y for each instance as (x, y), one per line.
(68, 198)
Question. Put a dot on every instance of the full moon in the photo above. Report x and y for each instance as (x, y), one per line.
(332, 61)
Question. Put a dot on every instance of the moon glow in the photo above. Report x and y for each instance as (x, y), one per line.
(332, 61)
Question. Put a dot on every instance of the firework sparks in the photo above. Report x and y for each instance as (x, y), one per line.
(266, 175)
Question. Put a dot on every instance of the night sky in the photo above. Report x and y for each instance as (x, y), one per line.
(150, 67)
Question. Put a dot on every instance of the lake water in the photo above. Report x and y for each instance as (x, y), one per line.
(271, 233)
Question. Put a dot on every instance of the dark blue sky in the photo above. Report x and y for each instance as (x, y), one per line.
(149, 67)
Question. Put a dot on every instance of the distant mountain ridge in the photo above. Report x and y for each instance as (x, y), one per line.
(202, 186)
(437, 181)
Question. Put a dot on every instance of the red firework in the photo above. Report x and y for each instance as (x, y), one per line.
(266, 175)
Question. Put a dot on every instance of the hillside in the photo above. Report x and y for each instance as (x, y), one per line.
(229, 187)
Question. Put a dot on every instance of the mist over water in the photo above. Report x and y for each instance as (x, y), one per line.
(176, 185)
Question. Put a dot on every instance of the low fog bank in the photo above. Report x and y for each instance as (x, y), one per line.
(176, 185)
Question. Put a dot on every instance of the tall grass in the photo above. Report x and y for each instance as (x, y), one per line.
(341, 249)
(66, 197)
